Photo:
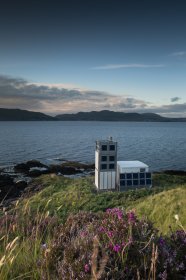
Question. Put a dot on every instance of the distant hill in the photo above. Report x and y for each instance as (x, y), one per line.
(22, 115)
(116, 116)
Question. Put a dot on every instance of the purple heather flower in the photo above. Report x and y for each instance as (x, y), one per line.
(101, 229)
(131, 217)
(83, 233)
(116, 248)
(87, 268)
(163, 275)
(110, 233)
(161, 241)
(108, 210)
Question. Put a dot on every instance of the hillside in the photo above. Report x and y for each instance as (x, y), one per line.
(116, 116)
(66, 230)
(22, 115)
(161, 203)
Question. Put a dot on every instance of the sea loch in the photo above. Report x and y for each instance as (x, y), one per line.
(160, 145)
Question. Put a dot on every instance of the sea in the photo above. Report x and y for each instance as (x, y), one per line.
(160, 145)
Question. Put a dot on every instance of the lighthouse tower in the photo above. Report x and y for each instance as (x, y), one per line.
(106, 164)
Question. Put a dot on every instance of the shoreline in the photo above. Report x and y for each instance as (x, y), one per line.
(15, 180)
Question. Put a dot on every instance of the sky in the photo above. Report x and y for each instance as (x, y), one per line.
(69, 56)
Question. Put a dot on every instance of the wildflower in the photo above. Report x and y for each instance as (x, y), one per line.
(116, 248)
(161, 241)
(86, 268)
(83, 233)
(176, 217)
(163, 275)
(110, 233)
(131, 217)
(101, 229)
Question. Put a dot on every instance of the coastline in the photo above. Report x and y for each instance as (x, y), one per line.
(17, 179)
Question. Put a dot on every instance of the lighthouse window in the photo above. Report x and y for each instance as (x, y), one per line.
(112, 158)
(142, 175)
(135, 182)
(148, 175)
(129, 176)
(122, 183)
(111, 166)
(129, 182)
(103, 166)
(142, 182)
(135, 175)
(112, 147)
(104, 147)
(104, 158)
(122, 176)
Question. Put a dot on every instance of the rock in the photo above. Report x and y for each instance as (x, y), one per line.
(36, 172)
(21, 185)
(67, 170)
(21, 167)
(35, 163)
(6, 180)
(25, 167)
(78, 165)
(64, 169)
(7, 187)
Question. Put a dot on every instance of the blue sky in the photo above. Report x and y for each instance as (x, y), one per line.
(116, 55)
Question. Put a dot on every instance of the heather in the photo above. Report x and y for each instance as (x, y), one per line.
(66, 230)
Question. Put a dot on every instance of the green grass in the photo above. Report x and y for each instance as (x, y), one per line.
(162, 207)
(62, 196)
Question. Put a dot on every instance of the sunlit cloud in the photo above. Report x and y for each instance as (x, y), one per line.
(119, 66)
(55, 99)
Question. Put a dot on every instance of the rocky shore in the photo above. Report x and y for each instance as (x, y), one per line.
(13, 184)
(20, 180)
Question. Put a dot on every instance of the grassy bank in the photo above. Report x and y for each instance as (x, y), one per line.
(62, 196)
(29, 231)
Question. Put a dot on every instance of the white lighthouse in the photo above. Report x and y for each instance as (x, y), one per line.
(106, 164)
(111, 174)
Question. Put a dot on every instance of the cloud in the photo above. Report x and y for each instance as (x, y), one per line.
(53, 99)
(178, 54)
(171, 110)
(118, 66)
(174, 99)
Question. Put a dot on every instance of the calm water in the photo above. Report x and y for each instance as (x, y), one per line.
(160, 145)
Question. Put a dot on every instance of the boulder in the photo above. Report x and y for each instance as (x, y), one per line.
(8, 188)
(21, 167)
(25, 167)
(21, 185)
(63, 169)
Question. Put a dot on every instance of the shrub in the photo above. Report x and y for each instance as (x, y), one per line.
(115, 245)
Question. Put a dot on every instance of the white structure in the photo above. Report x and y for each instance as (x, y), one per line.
(132, 174)
(111, 174)
(106, 164)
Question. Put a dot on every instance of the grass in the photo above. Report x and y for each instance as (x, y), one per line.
(162, 207)
(64, 196)
(31, 222)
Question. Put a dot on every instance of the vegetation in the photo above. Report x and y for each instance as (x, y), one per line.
(67, 229)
